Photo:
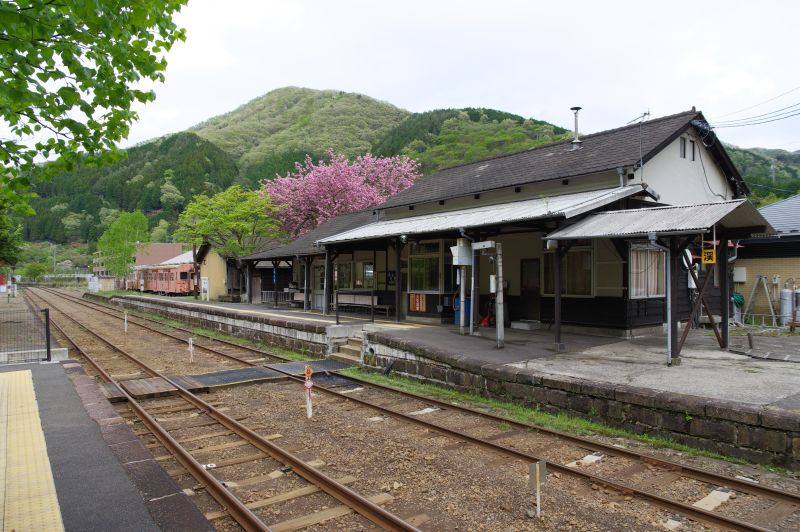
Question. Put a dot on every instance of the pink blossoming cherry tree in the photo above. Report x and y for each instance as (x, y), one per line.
(317, 192)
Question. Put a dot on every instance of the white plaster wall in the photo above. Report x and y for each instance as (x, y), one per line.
(682, 181)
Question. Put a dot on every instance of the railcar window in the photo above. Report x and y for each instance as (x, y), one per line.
(184, 276)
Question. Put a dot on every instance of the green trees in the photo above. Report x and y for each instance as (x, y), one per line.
(119, 242)
(160, 232)
(68, 72)
(233, 221)
(10, 240)
(35, 270)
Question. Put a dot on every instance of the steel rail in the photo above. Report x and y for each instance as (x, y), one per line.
(352, 499)
(232, 504)
(686, 470)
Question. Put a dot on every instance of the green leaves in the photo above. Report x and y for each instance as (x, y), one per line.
(233, 221)
(119, 242)
(61, 61)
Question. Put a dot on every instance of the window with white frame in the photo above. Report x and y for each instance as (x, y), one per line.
(646, 272)
(576, 270)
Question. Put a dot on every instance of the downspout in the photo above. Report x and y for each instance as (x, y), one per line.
(463, 233)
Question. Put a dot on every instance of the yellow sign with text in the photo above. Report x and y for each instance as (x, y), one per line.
(709, 256)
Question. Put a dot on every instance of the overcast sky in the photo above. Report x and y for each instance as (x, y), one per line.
(537, 59)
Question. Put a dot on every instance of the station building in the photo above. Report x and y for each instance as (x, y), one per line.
(596, 233)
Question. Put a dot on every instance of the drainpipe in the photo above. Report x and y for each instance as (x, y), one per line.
(471, 287)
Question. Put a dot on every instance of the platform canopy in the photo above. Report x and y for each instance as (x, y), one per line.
(739, 218)
(565, 206)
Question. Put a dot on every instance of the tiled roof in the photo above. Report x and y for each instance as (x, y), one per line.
(783, 215)
(600, 152)
(305, 244)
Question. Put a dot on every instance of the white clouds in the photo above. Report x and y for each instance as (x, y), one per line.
(616, 59)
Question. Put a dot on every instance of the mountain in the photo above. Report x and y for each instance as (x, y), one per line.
(157, 177)
(447, 137)
(268, 134)
(771, 174)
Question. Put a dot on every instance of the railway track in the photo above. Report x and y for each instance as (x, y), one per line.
(612, 467)
(262, 450)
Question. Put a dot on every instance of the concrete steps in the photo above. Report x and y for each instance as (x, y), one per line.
(349, 352)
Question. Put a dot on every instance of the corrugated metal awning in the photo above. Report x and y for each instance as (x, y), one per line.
(564, 206)
(671, 220)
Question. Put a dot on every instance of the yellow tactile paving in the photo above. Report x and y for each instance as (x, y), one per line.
(29, 499)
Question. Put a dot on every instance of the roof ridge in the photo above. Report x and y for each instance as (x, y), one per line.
(779, 201)
(662, 207)
(567, 141)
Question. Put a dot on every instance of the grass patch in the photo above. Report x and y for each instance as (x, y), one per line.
(524, 414)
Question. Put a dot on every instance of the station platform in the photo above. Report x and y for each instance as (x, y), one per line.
(705, 370)
(68, 461)
(312, 317)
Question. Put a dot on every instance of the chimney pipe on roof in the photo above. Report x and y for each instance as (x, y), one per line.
(576, 142)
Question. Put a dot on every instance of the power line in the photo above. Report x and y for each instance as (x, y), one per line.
(760, 103)
(758, 122)
(771, 188)
(771, 114)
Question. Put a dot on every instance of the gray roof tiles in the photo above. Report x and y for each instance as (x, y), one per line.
(600, 152)
(783, 215)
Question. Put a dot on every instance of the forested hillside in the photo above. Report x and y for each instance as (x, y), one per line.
(268, 135)
(447, 137)
(157, 178)
(771, 174)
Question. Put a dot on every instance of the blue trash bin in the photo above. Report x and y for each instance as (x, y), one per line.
(457, 307)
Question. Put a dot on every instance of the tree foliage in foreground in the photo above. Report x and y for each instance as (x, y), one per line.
(234, 222)
(119, 242)
(317, 192)
(10, 240)
(68, 72)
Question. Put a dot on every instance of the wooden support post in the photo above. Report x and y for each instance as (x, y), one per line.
(475, 293)
(707, 308)
(558, 345)
(724, 290)
(701, 292)
(275, 264)
(248, 284)
(306, 273)
(326, 304)
(398, 277)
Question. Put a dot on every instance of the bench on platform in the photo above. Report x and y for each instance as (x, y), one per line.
(361, 301)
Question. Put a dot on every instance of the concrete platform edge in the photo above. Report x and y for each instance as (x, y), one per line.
(756, 434)
(169, 507)
(292, 334)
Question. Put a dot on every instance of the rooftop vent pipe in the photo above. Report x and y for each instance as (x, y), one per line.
(576, 142)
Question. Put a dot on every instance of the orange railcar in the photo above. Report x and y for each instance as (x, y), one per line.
(163, 279)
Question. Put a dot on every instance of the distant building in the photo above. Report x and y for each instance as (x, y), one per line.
(777, 258)
(147, 254)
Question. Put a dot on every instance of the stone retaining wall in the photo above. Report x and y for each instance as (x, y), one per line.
(303, 337)
(761, 435)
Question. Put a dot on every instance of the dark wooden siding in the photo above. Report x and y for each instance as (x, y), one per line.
(770, 249)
